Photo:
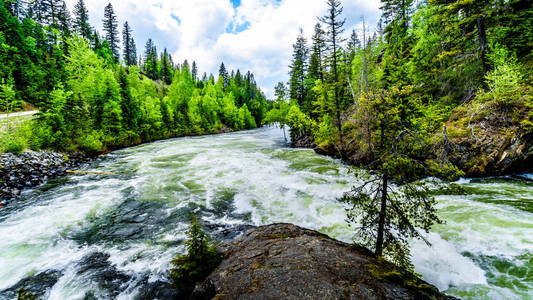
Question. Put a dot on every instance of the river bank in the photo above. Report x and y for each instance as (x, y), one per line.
(30, 169)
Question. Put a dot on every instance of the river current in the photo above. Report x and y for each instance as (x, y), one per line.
(83, 230)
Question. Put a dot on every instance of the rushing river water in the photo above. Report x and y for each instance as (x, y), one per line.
(112, 236)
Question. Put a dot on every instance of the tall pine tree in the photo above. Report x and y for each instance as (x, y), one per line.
(298, 69)
(166, 67)
(128, 51)
(64, 20)
(81, 20)
(222, 72)
(111, 30)
(334, 25)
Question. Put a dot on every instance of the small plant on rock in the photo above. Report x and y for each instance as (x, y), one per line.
(201, 259)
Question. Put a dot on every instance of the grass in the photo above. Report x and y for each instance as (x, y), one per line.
(16, 136)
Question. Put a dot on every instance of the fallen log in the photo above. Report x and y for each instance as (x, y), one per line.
(89, 172)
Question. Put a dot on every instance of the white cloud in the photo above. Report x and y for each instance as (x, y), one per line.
(196, 30)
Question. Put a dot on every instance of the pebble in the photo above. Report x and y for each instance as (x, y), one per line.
(30, 169)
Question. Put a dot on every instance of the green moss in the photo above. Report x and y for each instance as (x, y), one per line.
(386, 272)
(24, 294)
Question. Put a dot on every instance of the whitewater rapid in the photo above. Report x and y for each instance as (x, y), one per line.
(134, 219)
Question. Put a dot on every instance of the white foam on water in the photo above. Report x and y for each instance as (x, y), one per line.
(442, 265)
(266, 181)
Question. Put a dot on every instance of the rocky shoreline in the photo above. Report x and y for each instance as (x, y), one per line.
(30, 169)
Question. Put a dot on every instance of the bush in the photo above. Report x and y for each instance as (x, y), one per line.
(201, 258)
(14, 145)
(505, 80)
(90, 143)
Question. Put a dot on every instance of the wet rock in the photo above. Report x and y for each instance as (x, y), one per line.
(30, 169)
(284, 261)
(157, 290)
(37, 284)
(99, 269)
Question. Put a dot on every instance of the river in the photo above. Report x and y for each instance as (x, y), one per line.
(81, 231)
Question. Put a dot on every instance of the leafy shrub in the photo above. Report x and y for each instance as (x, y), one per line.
(201, 258)
(14, 144)
(90, 143)
(300, 123)
(505, 80)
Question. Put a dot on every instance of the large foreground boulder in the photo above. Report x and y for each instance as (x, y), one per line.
(284, 261)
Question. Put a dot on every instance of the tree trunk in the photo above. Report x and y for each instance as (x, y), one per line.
(382, 213)
(337, 102)
(364, 56)
(482, 35)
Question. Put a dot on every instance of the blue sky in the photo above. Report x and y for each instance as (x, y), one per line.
(255, 35)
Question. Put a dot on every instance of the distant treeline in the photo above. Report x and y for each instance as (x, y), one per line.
(93, 99)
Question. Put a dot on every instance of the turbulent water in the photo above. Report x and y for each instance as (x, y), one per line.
(112, 236)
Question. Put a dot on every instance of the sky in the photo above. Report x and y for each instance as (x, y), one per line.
(255, 35)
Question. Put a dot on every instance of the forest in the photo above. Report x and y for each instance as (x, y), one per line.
(95, 94)
(431, 92)
(422, 63)
(396, 112)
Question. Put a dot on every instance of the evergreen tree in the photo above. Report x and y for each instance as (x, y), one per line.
(194, 71)
(398, 12)
(166, 67)
(298, 69)
(222, 72)
(50, 12)
(64, 20)
(353, 45)
(131, 111)
(14, 7)
(111, 30)
(133, 51)
(81, 20)
(185, 65)
(128, 50)
(316, 67)
(334, 27)
(281, 92)
(394, 206)
(150, 60)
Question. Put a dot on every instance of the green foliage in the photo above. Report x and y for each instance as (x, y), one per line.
(14, 145)
(89, 102)
(8, 102)
(23, 294)
(201, 259)
(506, 79)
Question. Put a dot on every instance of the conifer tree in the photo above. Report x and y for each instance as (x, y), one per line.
(353, 45)
(150, 60)
(166, 67)
(14, 7)
(128, 50)
(316, 66)
(49, 12)
(334, 25)
(64, 20)
(194, 71)
(298, 69)
(393, 206)
(222, 72)
(111, 30)
(131, 111)
(81, 20)
(133, 51)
